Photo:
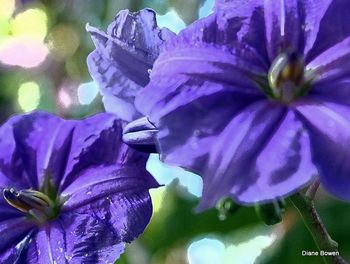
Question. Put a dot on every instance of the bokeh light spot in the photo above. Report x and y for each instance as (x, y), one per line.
(58, 44)
(7, 7)
(22, 39)
(206, 9)
(64, 98)
(32, 22)
(87, 92)
(242, 247)
(157, 196)
(26, 52)
(247, 252)
(165, 174)
(171, 20)
(28, 96)
(206, 251)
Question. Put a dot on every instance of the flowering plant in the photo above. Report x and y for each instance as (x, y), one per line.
(253, 98)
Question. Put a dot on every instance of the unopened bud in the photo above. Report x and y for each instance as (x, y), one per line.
(270, 213)
(225, 207)
(141, 135)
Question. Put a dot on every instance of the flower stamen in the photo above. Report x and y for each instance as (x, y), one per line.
(34, 203)
(286, 76)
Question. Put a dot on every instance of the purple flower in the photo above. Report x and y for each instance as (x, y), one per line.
(256, 98)
(124, 57)
(72, 191)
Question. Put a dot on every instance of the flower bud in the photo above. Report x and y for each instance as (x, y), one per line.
(141, 135)
(270, 213)
(225, 207)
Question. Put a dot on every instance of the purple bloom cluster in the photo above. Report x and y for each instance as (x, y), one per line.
(254, 98)
(73, 192)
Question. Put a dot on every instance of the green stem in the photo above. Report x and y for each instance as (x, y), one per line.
(311, 191)
(313, 222)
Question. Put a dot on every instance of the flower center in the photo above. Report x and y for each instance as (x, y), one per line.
(286, 77)
(35, 204)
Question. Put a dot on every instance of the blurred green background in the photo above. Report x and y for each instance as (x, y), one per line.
(43, 50)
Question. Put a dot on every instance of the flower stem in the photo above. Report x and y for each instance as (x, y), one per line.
(311, 191)
(313, 222)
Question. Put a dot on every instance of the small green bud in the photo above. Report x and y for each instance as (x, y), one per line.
(270, 213)
(225, 207)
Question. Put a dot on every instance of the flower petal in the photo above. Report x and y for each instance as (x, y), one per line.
(113, 84)
(263, 154)
(337, 91)
(333, 64)
(188, 133)
(330, 25)
(73, 240)
(249, 17)
(100, 216)
(283, 26)
(293, 24)
(286, 24)
(210, 49)
(15, 235)
(104, 208)
(25, 147)
(124, 55)
(48, 245)
(175, 93)
(329, 128)
(95, 141)
(62, 242)
(99, 183)
(90, 239)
